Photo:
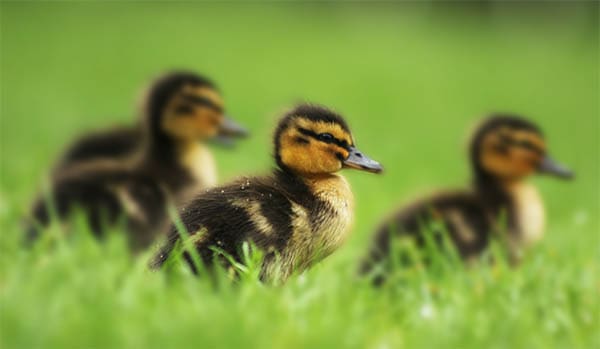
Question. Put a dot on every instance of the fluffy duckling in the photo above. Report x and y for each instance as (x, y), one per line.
(121, 141)
(171, 164)
(504, 151)
(296, 216)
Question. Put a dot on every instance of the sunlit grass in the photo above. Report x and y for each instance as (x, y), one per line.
(75, 292)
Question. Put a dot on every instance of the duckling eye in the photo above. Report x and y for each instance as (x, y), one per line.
(504, 139)
(184, 109)
(326, 137)
(525, 144)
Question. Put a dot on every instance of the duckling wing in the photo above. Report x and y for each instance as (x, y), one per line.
(256, 210)
(463, 218)
(92, 197)
(106, 198)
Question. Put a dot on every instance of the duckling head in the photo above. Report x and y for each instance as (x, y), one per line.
(510, 148)
(188, 107)
(312, 140)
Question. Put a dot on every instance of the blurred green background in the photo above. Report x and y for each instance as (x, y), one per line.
(411, 78)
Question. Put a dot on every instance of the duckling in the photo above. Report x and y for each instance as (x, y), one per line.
(171, 164)
(298, 215)
(504, 151)
(121, 141)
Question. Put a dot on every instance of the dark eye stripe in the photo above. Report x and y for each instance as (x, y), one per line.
(184, 109)
(302, 140)
(326, 137)
(522, 144)
(205, 102)
(530, 146)
(336, 141)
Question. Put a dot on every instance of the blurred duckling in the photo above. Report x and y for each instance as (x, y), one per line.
(119, 142)
(296, 216)
(504, 151)
(172, 163)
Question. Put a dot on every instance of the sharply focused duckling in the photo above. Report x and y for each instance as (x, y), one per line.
(504, 151)
(171, 164)
(121, 141)
(296, 216)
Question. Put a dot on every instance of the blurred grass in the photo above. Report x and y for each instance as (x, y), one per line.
(411, 78)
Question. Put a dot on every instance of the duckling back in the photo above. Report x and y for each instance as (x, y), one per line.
(461, 216)
(106, 199)
(115, 143)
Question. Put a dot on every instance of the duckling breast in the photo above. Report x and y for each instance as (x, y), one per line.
(200, 164)
(333, 216)
(316, 229)
(530, 213)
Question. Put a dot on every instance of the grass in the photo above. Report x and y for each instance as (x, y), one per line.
(412, 79)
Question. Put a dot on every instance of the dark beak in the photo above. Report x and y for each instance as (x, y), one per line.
(549, 166)
(360, 161)
(229, 131)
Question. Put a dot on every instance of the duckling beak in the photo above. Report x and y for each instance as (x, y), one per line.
(230, 130)
(549, 166)
(358, 160)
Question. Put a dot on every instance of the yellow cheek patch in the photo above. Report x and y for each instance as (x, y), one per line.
(207, 122)
(314, 157)
(299, 161)
(181, 127)
(497, 164)
(201, 122)
(517, 161)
